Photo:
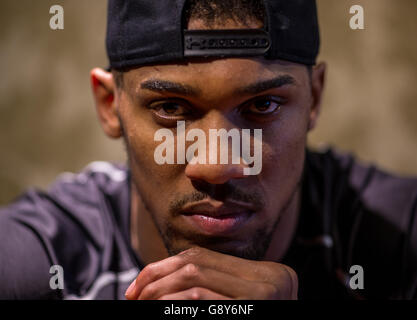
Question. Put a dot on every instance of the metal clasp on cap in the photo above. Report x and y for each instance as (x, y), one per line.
(224, 43)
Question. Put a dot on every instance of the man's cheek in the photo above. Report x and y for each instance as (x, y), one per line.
(140, 146)
(283, 160)
(146, 171)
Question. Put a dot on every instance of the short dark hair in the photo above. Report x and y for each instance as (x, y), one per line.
(217, 11)
(118, 77)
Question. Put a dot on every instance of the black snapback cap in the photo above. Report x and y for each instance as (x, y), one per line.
(141, 32)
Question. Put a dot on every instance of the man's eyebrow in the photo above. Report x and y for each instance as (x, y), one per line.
(169, 86)
(264, 85)
(159, 85)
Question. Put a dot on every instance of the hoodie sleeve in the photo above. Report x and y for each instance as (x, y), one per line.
(24, 259)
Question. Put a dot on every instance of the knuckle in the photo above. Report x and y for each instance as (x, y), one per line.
(292, 282)
(282, 270)
(151, 271)
(196, 293)
(292, 275)
(192, 252)
(149, 292)
(268, 291)
(191, 271)
(271, 269)
(291, 272)
(283, 282)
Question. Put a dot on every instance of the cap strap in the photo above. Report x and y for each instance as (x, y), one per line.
(223, 43)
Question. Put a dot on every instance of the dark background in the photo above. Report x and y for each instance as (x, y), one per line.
(48, 123)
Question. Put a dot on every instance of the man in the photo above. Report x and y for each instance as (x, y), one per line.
(178, 222)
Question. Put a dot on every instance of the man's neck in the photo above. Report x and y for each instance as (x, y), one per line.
(285, 229)
(144, 235)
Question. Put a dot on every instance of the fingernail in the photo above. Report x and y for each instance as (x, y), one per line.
(129, 290)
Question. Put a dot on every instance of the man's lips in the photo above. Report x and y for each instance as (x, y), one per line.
(217, 218)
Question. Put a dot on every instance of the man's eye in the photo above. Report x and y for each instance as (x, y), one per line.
(169, 109)
(263, 107)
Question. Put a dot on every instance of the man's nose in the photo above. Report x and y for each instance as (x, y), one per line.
(215, 173)
(218, 172)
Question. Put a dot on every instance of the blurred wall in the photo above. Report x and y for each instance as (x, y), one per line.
(48, 123)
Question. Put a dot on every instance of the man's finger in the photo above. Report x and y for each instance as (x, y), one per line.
(195, 293)
(192, 275)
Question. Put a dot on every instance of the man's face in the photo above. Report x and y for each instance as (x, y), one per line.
(214, 205)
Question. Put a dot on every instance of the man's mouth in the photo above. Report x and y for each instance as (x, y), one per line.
(216, 218)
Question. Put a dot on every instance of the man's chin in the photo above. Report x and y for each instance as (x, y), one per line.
(246, 249)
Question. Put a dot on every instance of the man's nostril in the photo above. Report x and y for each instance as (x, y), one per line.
(215, 174)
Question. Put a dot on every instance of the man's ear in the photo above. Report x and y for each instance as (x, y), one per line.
(104, 92)
(318, 75)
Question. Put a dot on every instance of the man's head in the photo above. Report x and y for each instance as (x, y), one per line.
(215, 205)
